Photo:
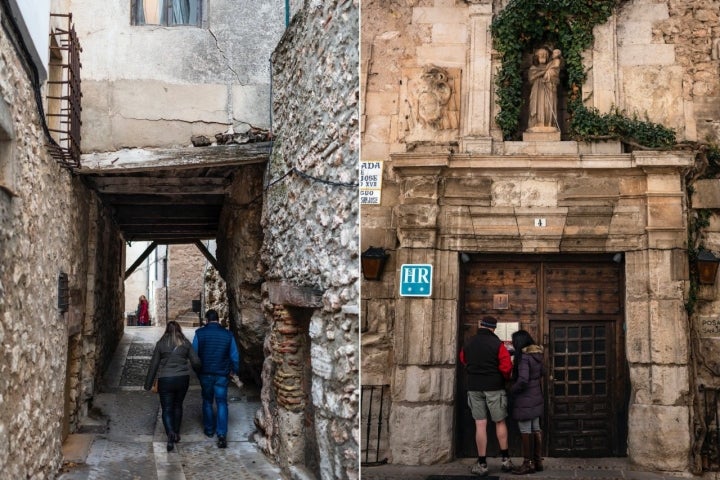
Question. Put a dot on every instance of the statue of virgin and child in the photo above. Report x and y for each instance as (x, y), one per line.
(544, 78)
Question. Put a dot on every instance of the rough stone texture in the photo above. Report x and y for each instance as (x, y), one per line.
(239, 240)
(706, 194)
(692, 28)
(422, 447)
(664, 452)
(652, 58)
(425, 384)
(311, 224)
(49, 223)
(152, 86)
(186, 265)
(216, 292)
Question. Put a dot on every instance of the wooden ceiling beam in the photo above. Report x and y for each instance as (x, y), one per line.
(141, 160)
(170, 229)
(162, 189)
(175, 200)
(140, 259)
(167, 239)
(126, 181)
(155, 186)
(133, 213)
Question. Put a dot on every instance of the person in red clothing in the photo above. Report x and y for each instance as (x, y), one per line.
(488, 366)
(143, 316)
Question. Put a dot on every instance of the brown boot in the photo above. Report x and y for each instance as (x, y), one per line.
(527, 465)
(537, 457)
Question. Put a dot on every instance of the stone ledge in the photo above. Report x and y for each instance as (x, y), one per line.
(284, 293)
(77, 447)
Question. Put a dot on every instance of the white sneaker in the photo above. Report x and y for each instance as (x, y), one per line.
(479, 469)
(507, 465)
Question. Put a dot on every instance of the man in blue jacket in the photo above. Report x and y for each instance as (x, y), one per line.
(216, 348)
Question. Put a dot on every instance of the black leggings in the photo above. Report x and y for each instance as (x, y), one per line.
(172, 392)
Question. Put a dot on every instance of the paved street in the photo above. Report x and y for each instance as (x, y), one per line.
(555, 469)
(125, 438)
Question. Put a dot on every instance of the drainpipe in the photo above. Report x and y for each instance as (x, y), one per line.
(287, 13)
(167, 283)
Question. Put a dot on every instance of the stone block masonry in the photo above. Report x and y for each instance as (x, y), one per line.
(49, 223)
(310, 223)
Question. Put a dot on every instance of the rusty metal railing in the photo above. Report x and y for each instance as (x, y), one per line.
(375, 403)
(65, 55)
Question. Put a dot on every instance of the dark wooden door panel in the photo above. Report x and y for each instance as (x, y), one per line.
(581, 420)
(518, 282)
(575, 308)
(579, 289)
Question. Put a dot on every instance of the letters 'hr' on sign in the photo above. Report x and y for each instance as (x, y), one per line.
(415, 280)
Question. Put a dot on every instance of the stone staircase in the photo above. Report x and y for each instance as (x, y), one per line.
(188, 320)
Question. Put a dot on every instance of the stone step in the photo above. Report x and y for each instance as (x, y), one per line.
(188, 320)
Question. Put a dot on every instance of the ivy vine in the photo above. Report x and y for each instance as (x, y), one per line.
(567, 25)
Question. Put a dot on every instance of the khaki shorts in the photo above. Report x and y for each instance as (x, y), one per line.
(494, 401)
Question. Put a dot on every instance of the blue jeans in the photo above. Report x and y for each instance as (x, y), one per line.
(215, 388)
(529, 426)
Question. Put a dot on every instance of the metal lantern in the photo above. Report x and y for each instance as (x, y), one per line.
(707, 265)
(373, 262)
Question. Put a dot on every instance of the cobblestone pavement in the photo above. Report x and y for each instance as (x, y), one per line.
(132, 443)
(554, 468)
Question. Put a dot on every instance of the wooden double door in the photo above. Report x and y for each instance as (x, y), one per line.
(573, 306)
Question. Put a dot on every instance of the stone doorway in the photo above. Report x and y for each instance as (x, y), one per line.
(573, 305)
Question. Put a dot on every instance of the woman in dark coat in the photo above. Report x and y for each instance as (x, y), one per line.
(170, 363)
(528, 401)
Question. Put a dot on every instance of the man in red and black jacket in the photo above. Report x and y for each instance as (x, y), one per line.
(488, 365)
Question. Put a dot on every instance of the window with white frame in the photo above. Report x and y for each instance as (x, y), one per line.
(167, 12)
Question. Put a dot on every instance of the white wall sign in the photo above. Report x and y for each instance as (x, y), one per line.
(370, 182)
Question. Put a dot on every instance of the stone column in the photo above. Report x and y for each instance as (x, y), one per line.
(423, 378)
(604, 70)
(478, 108)
(659, 430)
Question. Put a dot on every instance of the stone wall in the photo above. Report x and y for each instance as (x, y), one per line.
(104, 322)
(47, 221)
(310, 251)
(215, 293)
(654, 58)
(186, 265)
(239, 241)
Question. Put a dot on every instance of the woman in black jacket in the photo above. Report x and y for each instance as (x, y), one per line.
(528, 400)
(170, 363)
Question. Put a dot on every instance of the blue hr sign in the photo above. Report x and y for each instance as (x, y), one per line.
(415, 280)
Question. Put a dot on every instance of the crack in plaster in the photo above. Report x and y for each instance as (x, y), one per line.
(222, 52)
(163, 119)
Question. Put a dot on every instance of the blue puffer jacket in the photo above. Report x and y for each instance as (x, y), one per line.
(216, 348)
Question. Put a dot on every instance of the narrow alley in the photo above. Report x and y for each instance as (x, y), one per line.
(125, 439)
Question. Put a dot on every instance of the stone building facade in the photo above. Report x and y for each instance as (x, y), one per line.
(50, 224)
(309, 250)
(585, 245)
(165, 87)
